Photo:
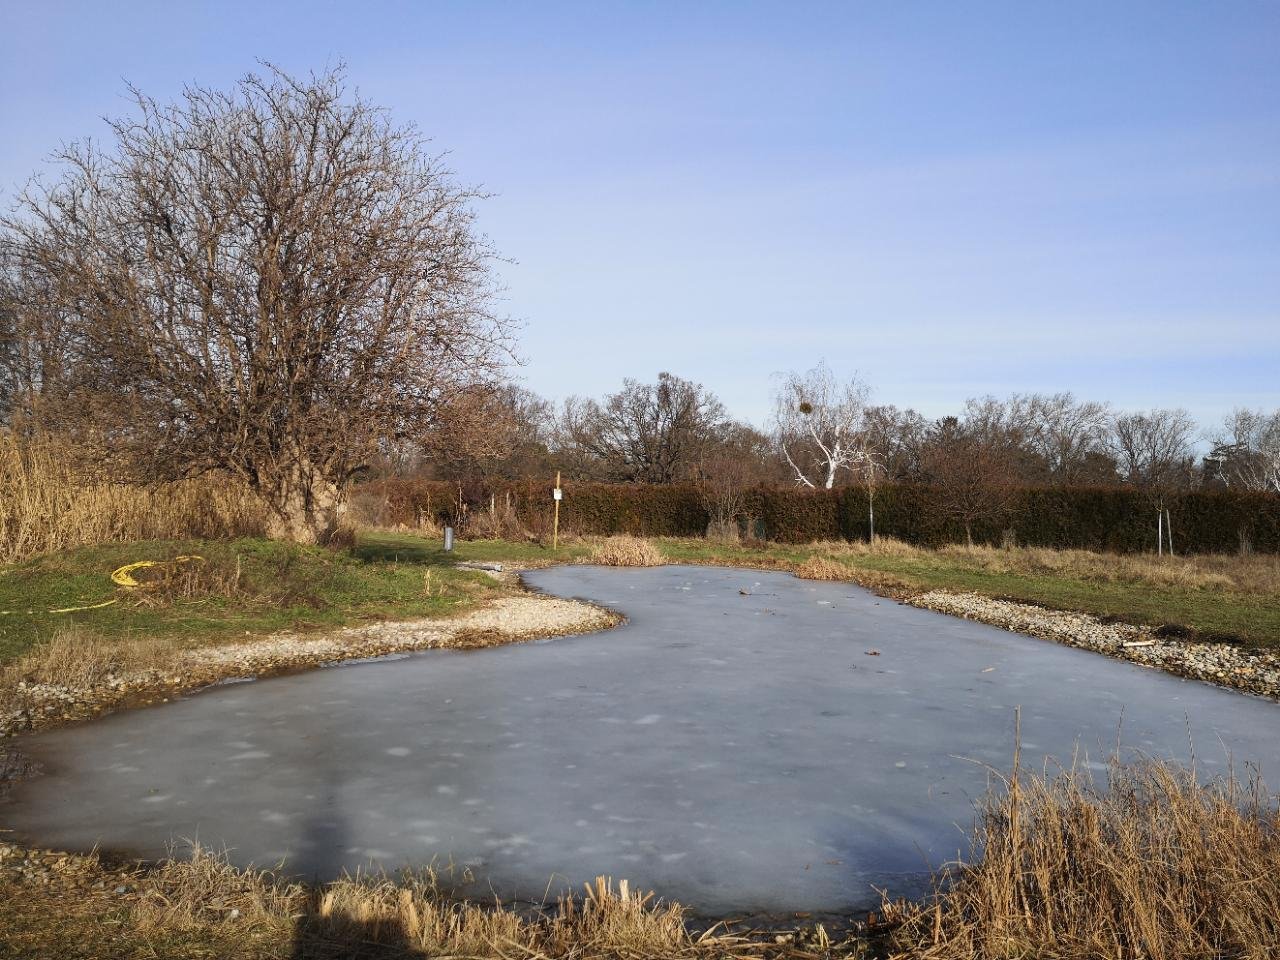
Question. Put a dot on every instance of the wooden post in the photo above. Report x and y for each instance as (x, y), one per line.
(555, 524)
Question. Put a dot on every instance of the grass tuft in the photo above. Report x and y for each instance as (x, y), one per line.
(823, 568)
(624, 551)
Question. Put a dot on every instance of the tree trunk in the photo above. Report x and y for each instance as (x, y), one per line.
(871, 518)
(303, 506)
(968, 533)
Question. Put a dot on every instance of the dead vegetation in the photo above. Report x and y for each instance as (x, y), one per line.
(1254, 573)
(75, 657)
(1251, 573)
(820, 567)
(1151, 865)
(48, 504)
(823, 568)
(376, 916)
(625, 551)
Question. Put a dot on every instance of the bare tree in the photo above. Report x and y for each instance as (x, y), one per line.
(818, 422)
(1246, 451)
(35, 345)
(973, 472)
(646, 432)
(270, 281)
(1008, 427)
(898, 439)
(488, 432)
(738, 459)
(10, 349)
(1068, 434)
(1153, 453)
(870, 470)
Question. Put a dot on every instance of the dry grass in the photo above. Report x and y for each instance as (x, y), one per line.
(625, 552)
(1151, 866)
(1243, 574)
(883, 547)
(45, 505)
(205, 889)
(76, 657)
(1253, 574)
(369, 511)
(819, 567)
(375, 916)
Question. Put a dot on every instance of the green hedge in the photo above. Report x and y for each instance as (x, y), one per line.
(1104, 518)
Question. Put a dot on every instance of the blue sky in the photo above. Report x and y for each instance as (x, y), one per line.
(948, 198)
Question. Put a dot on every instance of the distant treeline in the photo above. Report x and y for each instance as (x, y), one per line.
(1094, 518)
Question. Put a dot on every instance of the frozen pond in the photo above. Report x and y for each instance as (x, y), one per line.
(734, 746)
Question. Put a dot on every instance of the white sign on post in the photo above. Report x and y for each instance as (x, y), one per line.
(557, 494)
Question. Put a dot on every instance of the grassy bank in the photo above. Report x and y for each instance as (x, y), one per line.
(254, 586)
(235, 588)
(1230, 598)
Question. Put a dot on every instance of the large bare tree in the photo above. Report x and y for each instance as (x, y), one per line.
(1068, 434)
(897, 439)
(492, 433)
(818, 425)
(270, 281)
(974, 470)
(645, 433)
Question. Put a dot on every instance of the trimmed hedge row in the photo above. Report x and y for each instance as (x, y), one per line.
(1106, 518)
(673, 510)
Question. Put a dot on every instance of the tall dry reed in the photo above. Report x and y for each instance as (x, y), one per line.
(46, 503)
(1151, 865)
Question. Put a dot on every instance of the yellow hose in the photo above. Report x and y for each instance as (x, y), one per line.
(92, 606)
(121, 576)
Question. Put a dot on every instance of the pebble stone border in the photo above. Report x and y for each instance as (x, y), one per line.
(1252, 671)
(508, 619)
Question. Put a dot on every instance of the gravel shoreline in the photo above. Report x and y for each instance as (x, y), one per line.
(526, 616)
(1251, 671)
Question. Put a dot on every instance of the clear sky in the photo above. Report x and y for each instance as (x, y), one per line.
(949, 198)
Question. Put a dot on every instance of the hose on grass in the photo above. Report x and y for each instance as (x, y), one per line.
(121, 576)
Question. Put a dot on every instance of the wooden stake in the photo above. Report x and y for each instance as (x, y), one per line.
(555, 524)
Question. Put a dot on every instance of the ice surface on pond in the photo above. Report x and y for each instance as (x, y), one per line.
(732, 746)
